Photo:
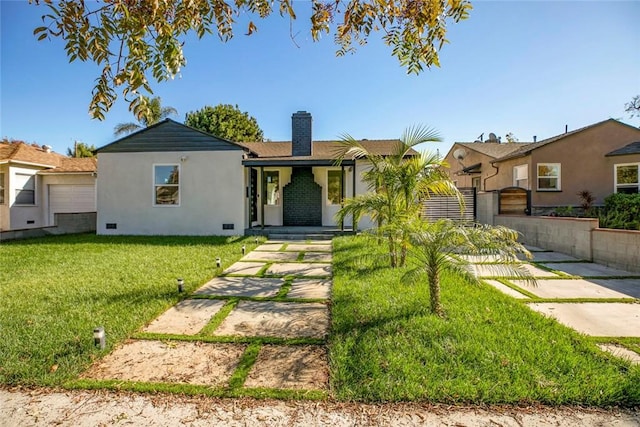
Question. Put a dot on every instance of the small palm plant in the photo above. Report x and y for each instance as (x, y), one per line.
(446, 246)
(398, 183)
(149, 111)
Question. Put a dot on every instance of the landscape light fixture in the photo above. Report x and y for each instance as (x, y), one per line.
(180, 285)
(99, 338)
(256, 240)
(218, 262)
(244, 249)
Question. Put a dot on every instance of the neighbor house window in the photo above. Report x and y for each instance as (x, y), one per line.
(272, 183)
(25, 189)
(334, 187)
(2, 188)
(166, 181)
(475, 183)
(548, 176)
(627, 178)
(521, 176)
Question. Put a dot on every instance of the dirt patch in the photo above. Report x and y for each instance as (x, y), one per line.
(74, 408)
(290, 367)
(174, 362)
(276, 319)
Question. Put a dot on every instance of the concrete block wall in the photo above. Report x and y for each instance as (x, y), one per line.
(617, 248)
(66, 223)
(570, 236)
(486, 207)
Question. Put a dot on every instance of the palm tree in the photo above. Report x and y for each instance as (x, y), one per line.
(149, 112)
(397, 184)
(445, 246)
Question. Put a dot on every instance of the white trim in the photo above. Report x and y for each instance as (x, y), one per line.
(154, 185)
(615, 176)
(35, 190)
(559, 186)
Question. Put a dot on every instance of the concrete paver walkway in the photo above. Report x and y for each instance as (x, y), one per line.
(571, 296)
(289, 304)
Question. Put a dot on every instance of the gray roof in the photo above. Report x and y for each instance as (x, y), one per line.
(169, 135)
(633, 148)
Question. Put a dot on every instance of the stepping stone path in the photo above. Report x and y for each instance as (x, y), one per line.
(289, 305)
(593, 299)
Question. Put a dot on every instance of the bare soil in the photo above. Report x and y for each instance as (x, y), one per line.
(39, 407)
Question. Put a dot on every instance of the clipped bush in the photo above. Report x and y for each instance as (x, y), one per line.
(621, 211)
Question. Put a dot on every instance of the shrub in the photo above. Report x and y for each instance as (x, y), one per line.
(621, 211)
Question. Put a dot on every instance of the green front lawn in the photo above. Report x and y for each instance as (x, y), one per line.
(386, 346)
(54, 291)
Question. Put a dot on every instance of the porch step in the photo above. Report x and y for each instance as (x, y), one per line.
(289, 236)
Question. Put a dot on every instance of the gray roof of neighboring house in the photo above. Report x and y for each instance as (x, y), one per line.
(633, 148)
(169, 135)
(493, 149)
(530, 147)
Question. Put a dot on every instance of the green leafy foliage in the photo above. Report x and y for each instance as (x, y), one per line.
(442, 246)
(149, 111)
(136, 42)
(633, 107)
(397, 183)
(621, 211)
(80, 149)
(227, 122)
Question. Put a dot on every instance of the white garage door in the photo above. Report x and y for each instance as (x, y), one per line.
(72, 198)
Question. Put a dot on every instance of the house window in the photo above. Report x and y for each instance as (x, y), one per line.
(627, 178)
(166, 185)
(25, 189)
(334, 187)
(548, 176)
(272, 185)
(2, 188)
(521, 176)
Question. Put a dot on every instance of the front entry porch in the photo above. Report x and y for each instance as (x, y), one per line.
(297, 233)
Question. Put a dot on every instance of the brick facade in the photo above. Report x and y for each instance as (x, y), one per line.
(301, 134)
(302, 199)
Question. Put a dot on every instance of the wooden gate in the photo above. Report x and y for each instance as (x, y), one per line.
(514, 201)
(439, 207)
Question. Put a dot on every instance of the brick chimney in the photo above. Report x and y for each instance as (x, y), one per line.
(301, 134)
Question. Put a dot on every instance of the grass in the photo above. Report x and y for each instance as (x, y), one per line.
(56, 290)
(386, 346)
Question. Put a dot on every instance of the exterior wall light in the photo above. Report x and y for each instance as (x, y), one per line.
(99, 337)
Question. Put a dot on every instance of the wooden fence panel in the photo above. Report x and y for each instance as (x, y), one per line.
(438, 207)
(514, 201)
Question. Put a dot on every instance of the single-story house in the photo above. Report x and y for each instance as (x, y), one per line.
(36, 183)
(173, 179)
(602, 158)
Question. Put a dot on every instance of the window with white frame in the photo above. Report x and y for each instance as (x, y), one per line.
(334, 187)
(475, 183)
(627, 178)
(1, 188)
(166, 183)
(521, 176)
(549, 177)
(25, 189)
(272, 185)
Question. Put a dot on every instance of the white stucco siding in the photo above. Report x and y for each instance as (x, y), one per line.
(4, 206)
(24, 215)
(211, 193)
(361, 188)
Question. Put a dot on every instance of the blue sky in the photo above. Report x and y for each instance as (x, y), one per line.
(524, 67)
